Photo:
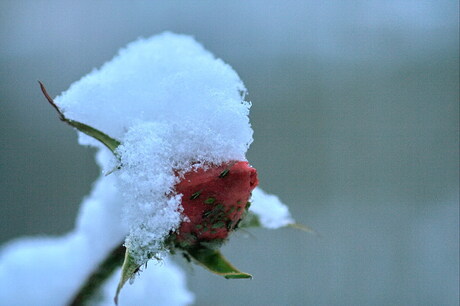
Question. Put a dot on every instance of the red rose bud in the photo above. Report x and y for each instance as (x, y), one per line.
(214, 201)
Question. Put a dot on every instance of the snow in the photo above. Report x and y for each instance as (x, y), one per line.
(165, 78)
(165, 276)
(271, 212)
(50, 270)
(172, 105)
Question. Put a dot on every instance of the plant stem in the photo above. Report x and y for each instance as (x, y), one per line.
(97, 278)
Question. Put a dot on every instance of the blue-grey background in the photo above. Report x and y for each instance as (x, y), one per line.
(355, 112)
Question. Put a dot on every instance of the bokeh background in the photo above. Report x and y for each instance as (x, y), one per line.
(355, 112)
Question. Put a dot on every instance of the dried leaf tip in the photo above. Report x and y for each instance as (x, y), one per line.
(51, 101)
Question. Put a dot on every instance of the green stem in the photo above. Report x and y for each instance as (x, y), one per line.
(94, 282)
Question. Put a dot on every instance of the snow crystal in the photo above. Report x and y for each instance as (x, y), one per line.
(172, 105)
(271, 212)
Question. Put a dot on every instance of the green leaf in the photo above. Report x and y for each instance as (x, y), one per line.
(105, 139)
(129, 268)
(216, 263)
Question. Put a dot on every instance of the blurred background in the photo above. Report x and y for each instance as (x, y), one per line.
(355, 113)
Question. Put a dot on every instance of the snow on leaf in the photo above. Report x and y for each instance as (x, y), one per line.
(172, 105)
(268, 211)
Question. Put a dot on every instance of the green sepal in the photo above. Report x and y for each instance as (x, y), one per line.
(129, 268)
(302, 228)
(249, 220)
(215, 262)
(105, 139)
(252, 220)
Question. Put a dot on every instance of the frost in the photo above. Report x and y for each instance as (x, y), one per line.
(272, 213)
(173, 106)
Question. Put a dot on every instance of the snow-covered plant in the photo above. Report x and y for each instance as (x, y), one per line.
(171, 124)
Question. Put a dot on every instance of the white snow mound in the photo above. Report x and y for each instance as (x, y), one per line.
(171, 103)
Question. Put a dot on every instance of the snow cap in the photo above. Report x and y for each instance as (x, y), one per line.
(173, 106)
